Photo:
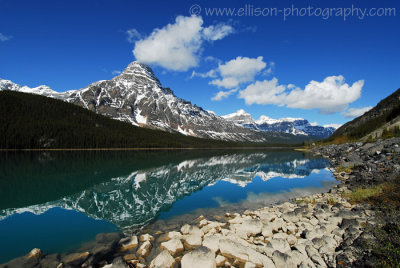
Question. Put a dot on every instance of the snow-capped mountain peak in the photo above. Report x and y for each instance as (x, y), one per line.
(137, 70)
(40, 90)
(268, 120)
(296, 126)
(241, 117)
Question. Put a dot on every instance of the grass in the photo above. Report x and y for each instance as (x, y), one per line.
(332, 201)
(363, 194)
(346, 169)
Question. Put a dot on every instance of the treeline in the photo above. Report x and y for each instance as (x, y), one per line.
(30, 121)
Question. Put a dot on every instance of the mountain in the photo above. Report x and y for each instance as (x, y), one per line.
(31, 121)
(295, 126)
(384, 116)
(136, 96)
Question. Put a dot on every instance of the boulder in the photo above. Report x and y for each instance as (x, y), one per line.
(212, 242)
(76, 259)
(192, 241)
(243, 254)
(163, 260)
(220, 260)
(190, 229)
(35, 253)
(174, 234)
(251, 227)
(283, 260)
(144, 249)
(173, 246)
(201, 257)
(279, 244)
(146, 237)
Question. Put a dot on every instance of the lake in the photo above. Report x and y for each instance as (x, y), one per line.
(57, 201)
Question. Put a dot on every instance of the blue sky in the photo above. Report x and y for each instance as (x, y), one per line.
(311, 65)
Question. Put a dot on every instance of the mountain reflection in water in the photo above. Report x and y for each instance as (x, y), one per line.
(132, 189)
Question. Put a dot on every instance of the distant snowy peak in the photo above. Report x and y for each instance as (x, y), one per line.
(296, 126)
(268, 120)
(241, 118)
(40, 90)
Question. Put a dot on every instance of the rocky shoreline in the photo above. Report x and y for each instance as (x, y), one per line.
(322, 230)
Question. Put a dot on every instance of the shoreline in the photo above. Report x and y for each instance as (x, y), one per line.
(321, 230)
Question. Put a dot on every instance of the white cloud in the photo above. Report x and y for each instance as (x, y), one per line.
(178, 46)
(356, 112)
(238, 71)
(270, 70)
(264, 92)
(223, 94)
(217, 32)
(116, 72)
(132, 35)
(329, 96)
(211, 73)
(4, 38)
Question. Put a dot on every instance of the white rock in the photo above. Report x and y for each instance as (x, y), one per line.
(174, 235)
(267, 231)
(291, 240)
(189, 229)
(203, 222)
(164, 259)
(212, 242)
(144, 249)
(212, 227)
(220, 260)
(279, 244)
(301, 248)
(236, 220)
(201, 257)
(251, 227)
(283, 260)
(313, 254)
(277, 224)
(267, 217)
(146, 237)
(300, 258)
(314, 221)
(192, 241)
(283, 236)
(292, 229)
(249, 265)
(173, 246)
(243, 254)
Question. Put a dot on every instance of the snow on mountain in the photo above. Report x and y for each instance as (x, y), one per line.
(241, 118)
(295, 126)
(136, 96)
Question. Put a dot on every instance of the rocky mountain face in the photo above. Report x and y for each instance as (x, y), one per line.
(295, 126)
(137, 96)
(386, 112)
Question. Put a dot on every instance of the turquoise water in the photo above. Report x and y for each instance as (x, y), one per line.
(57, 201)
